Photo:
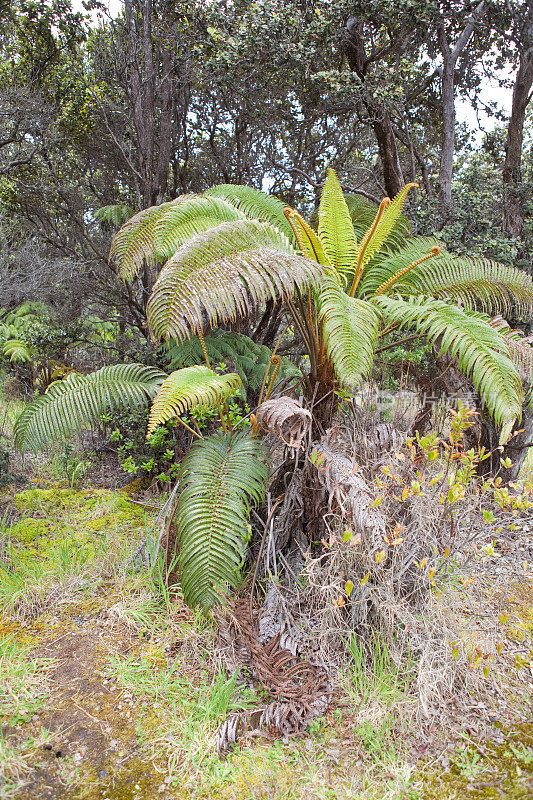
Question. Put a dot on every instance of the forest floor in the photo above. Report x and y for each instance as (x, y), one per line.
(111, 690)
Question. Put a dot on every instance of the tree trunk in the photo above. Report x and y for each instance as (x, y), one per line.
(447, 136)
(513, 202)
(379, 115)
(388, 152)
(516, 450)
(450, 57)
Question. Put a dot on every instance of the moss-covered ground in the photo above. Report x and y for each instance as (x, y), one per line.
(111, 688)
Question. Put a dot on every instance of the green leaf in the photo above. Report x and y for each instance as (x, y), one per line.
(219, 274)
(375, 238)
(196, 386)
(248, 358)
(220, 477)
(497, 288)
(182, 221)
(363, 212)
(136, 242)
(79, 401)
(116, 214)
(482, 352)
(350, 329)
(335, 228)
(255, 204)
(16, 350)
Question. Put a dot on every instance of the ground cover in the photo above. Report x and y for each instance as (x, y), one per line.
(113, 689)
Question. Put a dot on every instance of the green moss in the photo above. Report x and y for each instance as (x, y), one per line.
(29, 529)
(486, 772)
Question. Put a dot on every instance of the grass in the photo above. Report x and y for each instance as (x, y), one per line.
(25, 691)
(68, 555)
(375, 676)
(63, 543)
(179, 723)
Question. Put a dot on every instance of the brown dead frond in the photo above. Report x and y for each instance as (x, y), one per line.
(285, 418)
(299, 691)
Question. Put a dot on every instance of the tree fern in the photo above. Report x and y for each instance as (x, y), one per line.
(80, 400)
(189, 387)
(482, 352)
(219, 273)
(17, 350)
(116, 214)
(255, 204)
(220, 477)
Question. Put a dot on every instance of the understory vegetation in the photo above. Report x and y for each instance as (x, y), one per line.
(266, 400)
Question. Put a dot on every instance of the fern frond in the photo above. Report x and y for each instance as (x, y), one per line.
(221, 476)
(520, 349)
(335, 227)
(16, 350)
(191, 386)
(249, 359)
(384, 265)
(309, 243)
(378, 233)
(79, 401)
(350, 329)
(182, 221)
(477, 282)
(363, 212)
(136, 242)
(255, 204)
(116, 214)
(219, 273)
(482, 353)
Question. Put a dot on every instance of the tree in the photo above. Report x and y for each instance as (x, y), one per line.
(380, 116)
(348, 285)
(513, 200)
(451, 52)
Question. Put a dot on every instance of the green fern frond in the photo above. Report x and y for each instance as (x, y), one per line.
(249, 359)
(350, 329)
(255, 204)
(378, 234)
(219, 273)
(309, 244)
(477, 282)
(335, 227)
(116, 214)
(79, 401)
(16, 350)
(384, 265)
(136, 242)
(182, 221)
(363, 212)
(221, 476)
(520, 352)
(482, 353)
(195, 386)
